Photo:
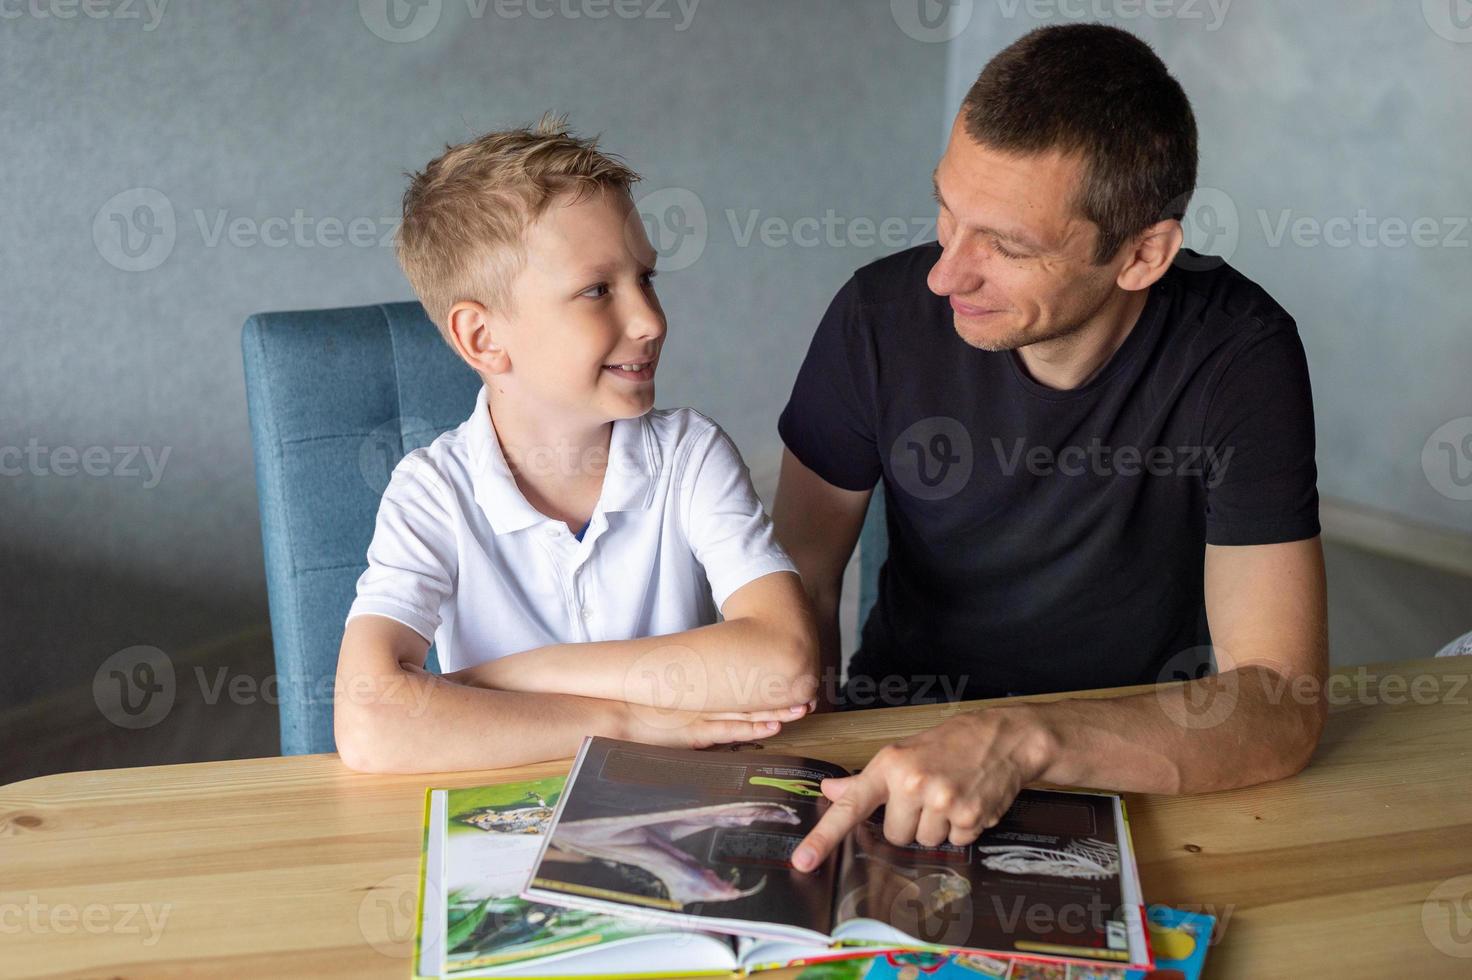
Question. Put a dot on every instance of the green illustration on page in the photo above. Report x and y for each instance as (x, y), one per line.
(492, 833)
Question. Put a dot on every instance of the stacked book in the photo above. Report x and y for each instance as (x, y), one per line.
(653, 862)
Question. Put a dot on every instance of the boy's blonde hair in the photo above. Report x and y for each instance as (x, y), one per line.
(466, 213)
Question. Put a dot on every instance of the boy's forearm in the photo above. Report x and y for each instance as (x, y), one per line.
(420, 722)
(737, 665)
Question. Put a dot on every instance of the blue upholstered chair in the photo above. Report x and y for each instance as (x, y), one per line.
(336, 398)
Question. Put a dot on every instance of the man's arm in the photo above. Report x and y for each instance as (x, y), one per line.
(762, 656)
(818, 525)
(1258, 719)
(390, 715)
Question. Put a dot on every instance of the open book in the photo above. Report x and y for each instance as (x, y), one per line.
(699, 841)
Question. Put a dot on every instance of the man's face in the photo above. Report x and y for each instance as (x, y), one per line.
(583, 306)
(1017, 259)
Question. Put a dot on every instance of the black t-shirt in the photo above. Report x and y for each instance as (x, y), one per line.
(1045, 540)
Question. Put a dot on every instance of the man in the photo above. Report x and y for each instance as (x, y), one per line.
(1094, 446)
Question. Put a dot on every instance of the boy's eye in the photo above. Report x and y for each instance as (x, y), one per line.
(602, 289)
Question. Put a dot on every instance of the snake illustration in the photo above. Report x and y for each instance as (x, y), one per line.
(647, 841)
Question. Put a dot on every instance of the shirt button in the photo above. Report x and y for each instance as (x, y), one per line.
(551, 530)
(587, 613)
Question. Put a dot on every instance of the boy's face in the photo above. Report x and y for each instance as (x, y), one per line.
(583, 307)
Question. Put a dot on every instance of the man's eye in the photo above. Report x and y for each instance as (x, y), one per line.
(596, 292)
(648, 277)
(1004, 251)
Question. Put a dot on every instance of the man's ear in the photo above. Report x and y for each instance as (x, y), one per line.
(1150, 253)
(477, 335)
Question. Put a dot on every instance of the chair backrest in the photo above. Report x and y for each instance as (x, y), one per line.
(873, 549)
(336, 398)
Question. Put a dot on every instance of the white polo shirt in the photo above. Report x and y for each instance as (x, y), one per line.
(460, 557)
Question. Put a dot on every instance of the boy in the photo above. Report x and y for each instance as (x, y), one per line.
(566, 547)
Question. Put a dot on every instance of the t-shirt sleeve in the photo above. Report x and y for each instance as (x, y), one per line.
(727, 528)
(829, 423)
(1258, 440)
(411, 560)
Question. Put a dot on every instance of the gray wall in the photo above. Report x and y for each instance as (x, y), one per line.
(262, 111)
(1343, 119)
(825, 115)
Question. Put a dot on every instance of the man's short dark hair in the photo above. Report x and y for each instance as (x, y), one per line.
(1102, 93)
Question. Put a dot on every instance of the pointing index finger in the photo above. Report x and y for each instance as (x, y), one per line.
(860, 798)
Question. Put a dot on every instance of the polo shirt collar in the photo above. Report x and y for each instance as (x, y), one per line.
(634, 459)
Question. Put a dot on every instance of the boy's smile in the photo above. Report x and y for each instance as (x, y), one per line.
(635, 371)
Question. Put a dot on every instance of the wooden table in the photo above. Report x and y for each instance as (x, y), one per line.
(1361, 866)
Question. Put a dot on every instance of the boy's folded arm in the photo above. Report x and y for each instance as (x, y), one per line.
(763, 657)
(393, 716)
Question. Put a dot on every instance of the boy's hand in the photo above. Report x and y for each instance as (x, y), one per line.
(701, 729)
(790, 713)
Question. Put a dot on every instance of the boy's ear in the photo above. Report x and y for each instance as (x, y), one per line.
(476, 334)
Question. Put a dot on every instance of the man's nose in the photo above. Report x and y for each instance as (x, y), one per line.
(951, 275)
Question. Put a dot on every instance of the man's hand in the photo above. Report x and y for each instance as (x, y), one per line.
(949, 782)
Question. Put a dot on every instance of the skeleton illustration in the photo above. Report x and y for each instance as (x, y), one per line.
(1080, 859)
(647, 841)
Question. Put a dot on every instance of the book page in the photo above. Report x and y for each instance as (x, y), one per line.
(1047, 880)
(489, 839)
(707, 834)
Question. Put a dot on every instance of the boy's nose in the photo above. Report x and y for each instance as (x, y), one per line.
(646, 322)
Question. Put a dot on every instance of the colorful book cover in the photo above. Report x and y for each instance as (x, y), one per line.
(1180, 940)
